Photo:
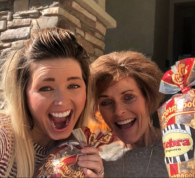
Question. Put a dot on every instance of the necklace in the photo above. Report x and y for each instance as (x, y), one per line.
(148, 165)
(149, 161)
(123, 163)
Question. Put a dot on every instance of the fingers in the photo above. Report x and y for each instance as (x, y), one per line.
(90, 150)
(91, 162)
(90, 173)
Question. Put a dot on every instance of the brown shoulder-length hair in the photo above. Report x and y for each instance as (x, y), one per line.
(112, 67)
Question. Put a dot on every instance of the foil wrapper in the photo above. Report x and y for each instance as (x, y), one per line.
(62, 161)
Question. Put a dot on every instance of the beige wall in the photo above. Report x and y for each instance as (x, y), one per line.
(142, 26)
(135, 25)
(161, 34)
(146, 26)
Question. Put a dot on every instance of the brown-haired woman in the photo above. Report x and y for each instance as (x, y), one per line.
(124, 90)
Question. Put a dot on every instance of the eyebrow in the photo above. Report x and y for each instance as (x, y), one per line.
(104, 96)
(70, 78)
(126, 91)
(75, 78)
(48, 79)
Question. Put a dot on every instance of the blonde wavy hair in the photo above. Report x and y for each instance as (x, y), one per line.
(51, 43)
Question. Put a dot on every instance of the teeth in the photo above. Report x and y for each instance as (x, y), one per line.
(125, 122)
(60, 119)
(62, 114)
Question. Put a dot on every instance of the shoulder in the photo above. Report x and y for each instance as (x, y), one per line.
(6, 133)
(5, 126)
(138, 162)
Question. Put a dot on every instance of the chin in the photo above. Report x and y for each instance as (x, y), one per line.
(61, 136)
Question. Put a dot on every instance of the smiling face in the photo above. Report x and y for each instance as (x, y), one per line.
(56, 95)
(123, 107)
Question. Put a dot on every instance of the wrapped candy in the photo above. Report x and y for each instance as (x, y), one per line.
(62, 162)
(177, 119)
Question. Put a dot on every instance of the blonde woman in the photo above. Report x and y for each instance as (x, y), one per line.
(44, 89)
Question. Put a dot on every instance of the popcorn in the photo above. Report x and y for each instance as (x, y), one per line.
(177, 119)
(62, 162)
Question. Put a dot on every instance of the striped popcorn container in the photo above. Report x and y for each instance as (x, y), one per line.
(177, 119)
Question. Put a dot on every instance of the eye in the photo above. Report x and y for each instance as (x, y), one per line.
(106, 103)
(73, 86)
(45, 88)
(128, 97)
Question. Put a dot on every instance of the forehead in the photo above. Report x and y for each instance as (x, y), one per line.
(55, 68)
(55, 64)
(123, 83)
(109, 80)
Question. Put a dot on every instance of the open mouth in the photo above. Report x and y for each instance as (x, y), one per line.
(126, 123)
(60, 120)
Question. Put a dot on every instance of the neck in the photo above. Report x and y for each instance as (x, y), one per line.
(41, 140)
(44, 140)
(149, 138)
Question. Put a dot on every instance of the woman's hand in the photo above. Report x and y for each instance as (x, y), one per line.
(91, 162)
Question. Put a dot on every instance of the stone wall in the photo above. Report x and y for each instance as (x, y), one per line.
(19, 18)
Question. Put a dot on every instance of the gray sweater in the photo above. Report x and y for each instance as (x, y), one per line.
(139, 162)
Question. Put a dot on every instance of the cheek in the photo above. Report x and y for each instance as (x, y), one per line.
(140, 107)
(106, 115)
(35, 103)
(79, 100)
(82, 100)
(145, 112)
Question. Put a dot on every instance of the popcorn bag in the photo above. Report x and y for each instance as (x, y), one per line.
(62, 162)
(177, 119)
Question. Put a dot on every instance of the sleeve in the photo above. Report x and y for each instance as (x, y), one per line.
(6, 147)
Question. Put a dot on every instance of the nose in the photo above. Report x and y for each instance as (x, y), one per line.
(60, 97)
(119, 109)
